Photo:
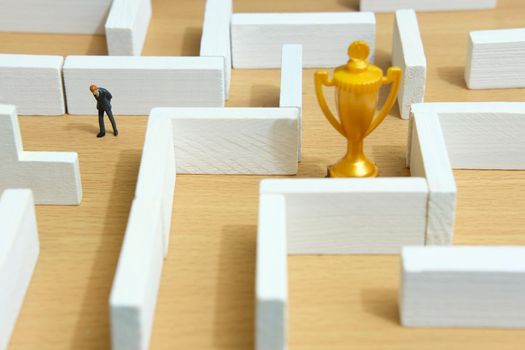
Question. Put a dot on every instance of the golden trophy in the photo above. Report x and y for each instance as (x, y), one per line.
(357, 83)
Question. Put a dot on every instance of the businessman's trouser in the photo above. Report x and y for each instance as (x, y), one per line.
(101, 120)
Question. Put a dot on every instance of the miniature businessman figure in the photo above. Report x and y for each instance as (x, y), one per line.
(103, 98)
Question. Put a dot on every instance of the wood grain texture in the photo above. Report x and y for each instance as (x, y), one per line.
(206, 298)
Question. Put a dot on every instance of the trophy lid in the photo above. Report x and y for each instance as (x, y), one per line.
(358, 71)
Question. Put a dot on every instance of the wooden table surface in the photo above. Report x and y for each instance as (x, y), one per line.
(206, 298)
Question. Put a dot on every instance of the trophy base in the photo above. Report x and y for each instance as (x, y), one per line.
(349, 168)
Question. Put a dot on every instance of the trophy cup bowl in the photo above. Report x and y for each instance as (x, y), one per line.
(357, 91)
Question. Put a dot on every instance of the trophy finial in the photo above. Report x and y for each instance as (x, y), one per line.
(358, 53)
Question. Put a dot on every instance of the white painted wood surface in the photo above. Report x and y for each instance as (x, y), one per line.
(216, 38)
(257, 38)
(429, 159)
(257, 141)
(54, 16)
(33, 83)
(442, 137)
(272, 275)
(140, 83)
(496, 59)
(54, 177)
(157, 175)
(493, 129)
(291, 76)
(490, 139)
(463, 287)
(425, 5)
(134, 293)
(292, 82)
(408, 54)
(127, 27)
(352, 216)
(137, 279)
(19, 250)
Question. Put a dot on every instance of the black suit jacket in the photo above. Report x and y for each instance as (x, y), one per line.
(103, 100)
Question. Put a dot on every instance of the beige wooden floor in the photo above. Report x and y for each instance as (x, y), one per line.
(207, 288)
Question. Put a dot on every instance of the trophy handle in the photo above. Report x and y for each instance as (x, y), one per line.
(393, 76)
(321, 78)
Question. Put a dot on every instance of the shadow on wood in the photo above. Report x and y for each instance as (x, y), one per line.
(191, 42)
(311, 167)
(351, 4)
(264, 95)
(234, 313)
(391, 160)
(453, 75)
(381, 303)
(95, 308)
(91, 128)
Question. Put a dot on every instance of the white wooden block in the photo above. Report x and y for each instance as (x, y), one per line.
(19, 249)
(54, 16)
(429, 159)
(408, 53)
(216, 38)
(127, 26)
(137, 279)
(272, 275)
(258, 141)
(292, 82)
(463, 287)
(291, 76)
(481, 135)
(352, 216)
(491, 138)
(141, 83)
(442, 130)
(54, 177)
(33, 83)
(157, 176)
(426, 5)
(496, 59)
(257, 38)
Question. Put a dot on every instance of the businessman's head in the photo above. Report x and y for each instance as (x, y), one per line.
(94, 89)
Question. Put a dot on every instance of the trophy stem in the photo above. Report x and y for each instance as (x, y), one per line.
(355, 150)
(354, 164)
